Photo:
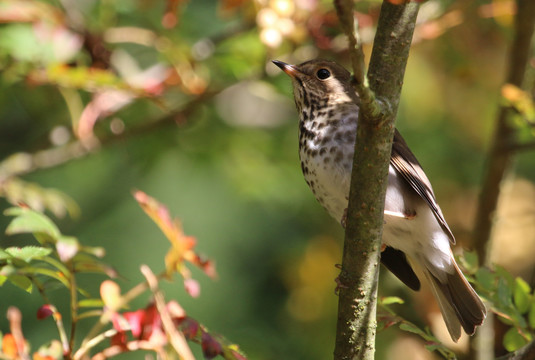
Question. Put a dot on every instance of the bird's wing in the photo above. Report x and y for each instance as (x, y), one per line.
(396, 261)
(406, 164)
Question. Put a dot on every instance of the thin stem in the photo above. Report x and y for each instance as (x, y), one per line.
(177, 339)
(106, 315)
(93, 342)
(344, 10)
(74, 306)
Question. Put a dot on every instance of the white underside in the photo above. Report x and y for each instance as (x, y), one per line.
(420, 237)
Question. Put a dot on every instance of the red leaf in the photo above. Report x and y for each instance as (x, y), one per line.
(136, 320)
(119, 339)
(210, 346)
(151, 321)
(44, 311)
(189, 327)
(182, 245)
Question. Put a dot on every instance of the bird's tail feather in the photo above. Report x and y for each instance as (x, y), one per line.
(459, 303)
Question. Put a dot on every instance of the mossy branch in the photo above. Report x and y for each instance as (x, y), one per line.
(355, 336)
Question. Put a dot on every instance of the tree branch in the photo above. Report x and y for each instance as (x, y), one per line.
(356, 326)
(525, 353)
(344, 9)
(500, 153)
(24, 163)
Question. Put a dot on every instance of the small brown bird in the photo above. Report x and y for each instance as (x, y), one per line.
(415, 228)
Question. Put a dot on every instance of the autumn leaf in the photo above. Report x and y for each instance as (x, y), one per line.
(520, 100)
(210, 346)
(182, 246)
(9, 346)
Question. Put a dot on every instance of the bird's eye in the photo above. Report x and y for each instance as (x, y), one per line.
(323, 74)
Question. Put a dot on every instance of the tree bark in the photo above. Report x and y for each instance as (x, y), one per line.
(356, 327)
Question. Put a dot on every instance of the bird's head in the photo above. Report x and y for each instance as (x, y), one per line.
(320, 80)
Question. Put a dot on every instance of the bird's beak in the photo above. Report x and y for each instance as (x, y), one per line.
(290, 70)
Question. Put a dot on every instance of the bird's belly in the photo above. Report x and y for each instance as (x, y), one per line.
(328, 175)
(330, 181)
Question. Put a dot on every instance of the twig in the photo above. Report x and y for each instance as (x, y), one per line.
(106, 316)
(525, 353)
(177, 339)
(355, 335)
(344, 9)
(49, 158)
(74, 306)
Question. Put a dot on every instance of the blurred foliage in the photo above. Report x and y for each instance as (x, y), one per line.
(180, 99)
(159, 327)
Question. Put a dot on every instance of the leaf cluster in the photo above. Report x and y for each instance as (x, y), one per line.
(511, 298)
(57, 260)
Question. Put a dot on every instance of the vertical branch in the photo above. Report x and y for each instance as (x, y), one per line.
(355, 336)
(501, 151)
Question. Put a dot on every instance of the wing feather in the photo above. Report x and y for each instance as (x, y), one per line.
(406, 164)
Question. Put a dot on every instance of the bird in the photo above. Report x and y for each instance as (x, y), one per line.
(415, 232)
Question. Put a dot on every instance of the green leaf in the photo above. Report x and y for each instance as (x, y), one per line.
(30, 221)
(470, 261)
(21, 281)
(512, 340)
(391, 300)
(46, 272)
(504, 293)
(91, 303)
(90, 313)
(4, 255)
(27, 253)
(2, 279)
(531, 315)
(521, 295)
(485, 279)
(502, 273)
(95, 267)
(407, 326)
(8, 270)
(58, 265)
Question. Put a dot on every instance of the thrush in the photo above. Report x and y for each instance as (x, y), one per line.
(415, 232)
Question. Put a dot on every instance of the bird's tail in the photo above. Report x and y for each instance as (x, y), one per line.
(459, 303)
